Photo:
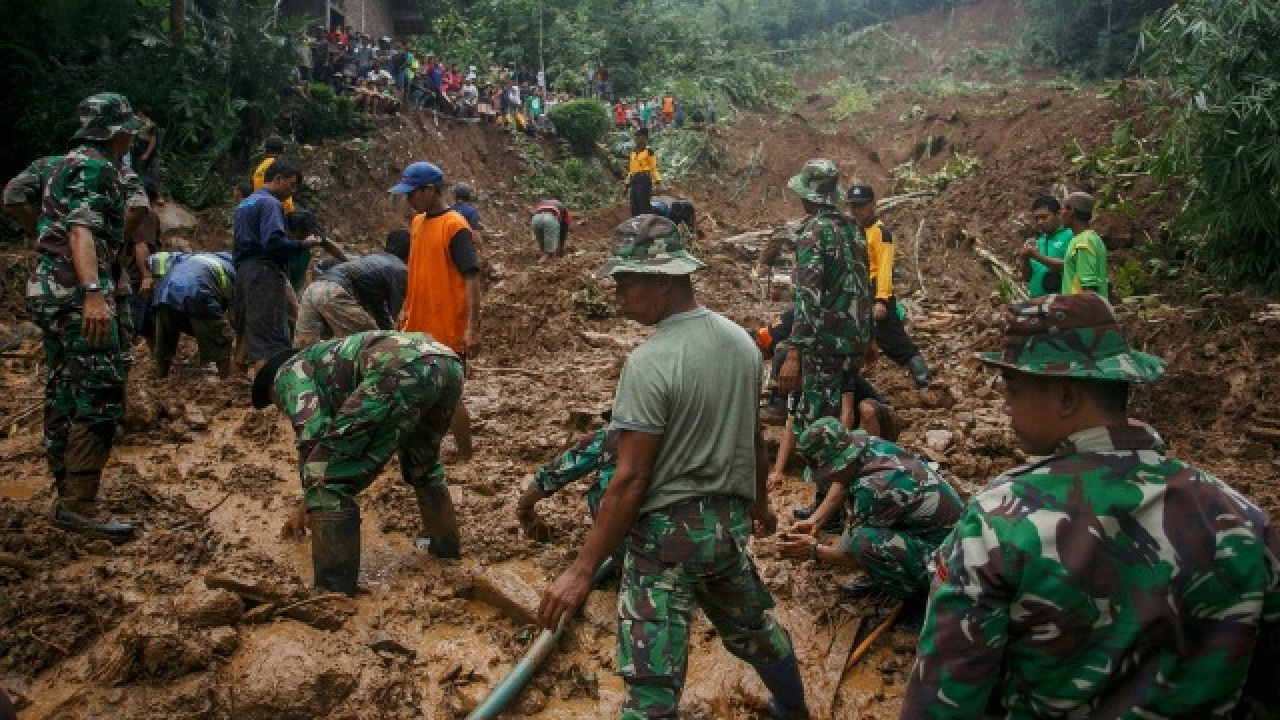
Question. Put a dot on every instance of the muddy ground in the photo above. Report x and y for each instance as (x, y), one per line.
(209, 615)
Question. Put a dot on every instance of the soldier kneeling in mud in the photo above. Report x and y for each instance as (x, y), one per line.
(352, 401)
(900, 510)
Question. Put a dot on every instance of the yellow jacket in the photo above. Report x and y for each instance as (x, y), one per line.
(880, 255)
(643, 161)
(260, 178)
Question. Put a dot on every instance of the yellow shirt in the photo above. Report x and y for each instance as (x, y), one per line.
(880, 255)
(260, 178)
(643, 161)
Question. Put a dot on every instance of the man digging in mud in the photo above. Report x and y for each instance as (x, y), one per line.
(1105, 579)
(900, 510)
(70, 297)
(689, 486)
(352, 402)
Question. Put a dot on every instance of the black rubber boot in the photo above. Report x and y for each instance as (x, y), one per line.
(786, 688)
(863, 587)
(439, 522)
(335, 547)
(76, 509)
(920, 372)
(804, 512)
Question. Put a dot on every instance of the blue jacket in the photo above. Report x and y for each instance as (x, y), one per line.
(197, 284)
(260, 230)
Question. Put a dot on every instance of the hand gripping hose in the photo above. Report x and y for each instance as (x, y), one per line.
(515, 680)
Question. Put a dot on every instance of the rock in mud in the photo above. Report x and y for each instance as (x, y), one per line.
(210, 608)
(288, 676)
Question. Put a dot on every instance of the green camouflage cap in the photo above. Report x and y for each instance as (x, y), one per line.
(105, 114)
(828, 447)
(649, 244)
(818, 181)
(1071, 336)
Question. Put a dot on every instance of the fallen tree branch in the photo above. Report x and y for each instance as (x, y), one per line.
(1002, 271)
(920, 273)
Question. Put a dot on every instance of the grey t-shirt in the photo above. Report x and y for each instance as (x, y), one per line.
(696, 382)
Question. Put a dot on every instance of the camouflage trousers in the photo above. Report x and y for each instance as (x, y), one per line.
(689, 554)
(357, 440)
(84, 390)
(897, 561)
(823, 380)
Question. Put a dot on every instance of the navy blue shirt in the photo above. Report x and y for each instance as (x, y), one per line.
(468, 211)
(260, 231)
(196, 284)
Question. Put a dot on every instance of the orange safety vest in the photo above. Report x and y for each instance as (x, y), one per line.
(436, 298)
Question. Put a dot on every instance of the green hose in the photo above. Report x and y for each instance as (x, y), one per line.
(515, 680)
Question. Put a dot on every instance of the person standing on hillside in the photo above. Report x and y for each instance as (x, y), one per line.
(642, 174)
(273, 146)
(23, 193)
(891, 335)
(442, 298)
(833, 323)
(70, 295)
(689, 488)
(1104, 579)
(550, 224)
(352, 402)
(1042, 259)
(261, 250)
(1085, 266)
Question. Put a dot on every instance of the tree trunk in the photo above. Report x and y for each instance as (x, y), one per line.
(177, 18)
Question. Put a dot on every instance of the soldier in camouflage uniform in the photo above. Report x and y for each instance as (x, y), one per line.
(833, 302)
(1106, 579)
(596, 452)
(899, 509)
(352, 402)
(71, 296)
(22, 194)
(689, 487)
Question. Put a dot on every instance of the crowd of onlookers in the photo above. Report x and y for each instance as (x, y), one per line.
(384, 75)
(655, 114)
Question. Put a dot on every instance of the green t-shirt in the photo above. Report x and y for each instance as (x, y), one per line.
(1052, 245)
(695, 382)
(1086, 265)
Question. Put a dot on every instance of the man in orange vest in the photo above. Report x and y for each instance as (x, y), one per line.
(443, 293)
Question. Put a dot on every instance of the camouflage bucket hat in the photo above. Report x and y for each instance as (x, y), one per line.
(818, 181)
(105, 114)
(649, 244)
(828, 447)
(1071, 336)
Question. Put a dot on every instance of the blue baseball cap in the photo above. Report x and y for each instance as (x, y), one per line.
(419, 174)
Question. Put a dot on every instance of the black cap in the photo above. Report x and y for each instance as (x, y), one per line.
(266, 377)
(860, 194)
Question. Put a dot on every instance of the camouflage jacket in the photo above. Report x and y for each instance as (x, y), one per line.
(896, 489)
(1105, 581)
(833, 296)
(27, 186)
(316, 383)
(84, 188)
(595, 453)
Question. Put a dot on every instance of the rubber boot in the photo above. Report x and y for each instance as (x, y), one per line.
(786, 688)
(335, 547)
(919, 372)
(439, 522)
(863, 587)
(76, 509)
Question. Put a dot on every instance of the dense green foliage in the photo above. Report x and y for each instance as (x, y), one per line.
(1215, 70)
(582, 124)
(1093, 38)
(214, 93)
